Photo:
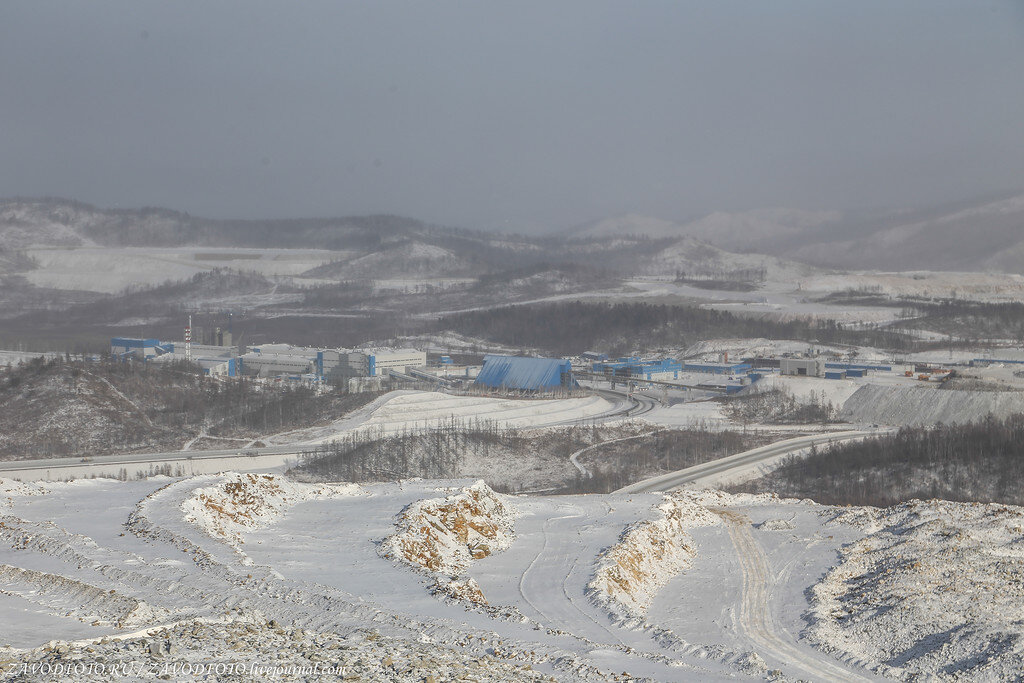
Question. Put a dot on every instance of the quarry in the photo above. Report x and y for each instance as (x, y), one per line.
(446, 507)
(648, 342)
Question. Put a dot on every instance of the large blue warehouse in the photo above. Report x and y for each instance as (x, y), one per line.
(528, 374)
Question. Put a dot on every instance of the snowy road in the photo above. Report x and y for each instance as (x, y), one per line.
(756, 617)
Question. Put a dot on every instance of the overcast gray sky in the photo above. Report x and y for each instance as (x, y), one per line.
(522, 115)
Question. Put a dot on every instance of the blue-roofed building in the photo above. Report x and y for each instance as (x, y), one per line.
(717, 368)
(122, 347)
(526, 374)
(634, 368)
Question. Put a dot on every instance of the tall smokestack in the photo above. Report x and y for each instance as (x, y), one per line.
(188, 340)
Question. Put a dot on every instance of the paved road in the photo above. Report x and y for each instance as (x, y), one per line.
(724, 466)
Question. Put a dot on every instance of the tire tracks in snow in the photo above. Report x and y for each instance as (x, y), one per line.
(755, 611)
(565, 591)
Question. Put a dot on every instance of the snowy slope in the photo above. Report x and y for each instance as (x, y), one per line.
(744, 230)
(407, 411)
(980, 235)
(757, 583)
(894, 405)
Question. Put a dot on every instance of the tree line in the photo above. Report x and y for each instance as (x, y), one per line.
(981, 461)
(570, 327)
(145, 406)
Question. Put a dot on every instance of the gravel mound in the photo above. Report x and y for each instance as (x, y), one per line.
(934, 588)
(444, 535)
(647, 556)
(260, 651)
(890, 405)
(243, 502)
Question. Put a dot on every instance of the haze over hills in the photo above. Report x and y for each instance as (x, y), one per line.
(745, 230)
(975, 235)
(346, 248)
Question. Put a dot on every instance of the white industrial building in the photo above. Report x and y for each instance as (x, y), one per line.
(204, 350)
(210, 365)
(271, 360)
(379, 361)
(804, 367)
(373, 362)
(268, 360)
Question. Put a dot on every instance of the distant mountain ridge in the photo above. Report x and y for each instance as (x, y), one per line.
(978, 235)
(984, 234)
(742, 231)
(62, 222)
(363, 247)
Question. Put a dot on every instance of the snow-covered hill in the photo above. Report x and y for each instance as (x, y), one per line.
(986, 235)
(745, 231)
(974, 235)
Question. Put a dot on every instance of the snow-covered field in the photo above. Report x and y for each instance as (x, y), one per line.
(405, 411)
(248, 571)
(110, 270)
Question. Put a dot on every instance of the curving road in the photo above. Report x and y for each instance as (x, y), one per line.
(574, 458)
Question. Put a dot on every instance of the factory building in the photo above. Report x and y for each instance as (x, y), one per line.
(526, 374)
(620, 367)
(377, 362)
(367, 362)
(271, 360)
(211, 337)
(206, 350)
(634, 368)
(717, 368)
(211, 366)
(803, 367)
(858, 366)
(227, 367)
(142, 349)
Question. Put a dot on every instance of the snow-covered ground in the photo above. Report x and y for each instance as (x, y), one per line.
(404, 411)
(723, 587)
(110, 270)
(690, 415)
(16, 357)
